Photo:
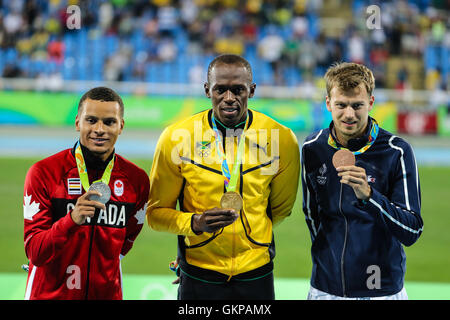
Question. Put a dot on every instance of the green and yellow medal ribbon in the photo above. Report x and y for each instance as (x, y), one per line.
(373, 136)
(82, 171)
(230, 178)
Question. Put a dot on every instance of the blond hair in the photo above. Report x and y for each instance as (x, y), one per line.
(347, 76)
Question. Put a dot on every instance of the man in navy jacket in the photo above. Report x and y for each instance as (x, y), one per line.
(359, 216)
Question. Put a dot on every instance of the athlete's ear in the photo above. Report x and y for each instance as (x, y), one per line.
(77, 123)
(122, 124)
(252, 90)
(327, 100)
(207, 92)
(371, 101)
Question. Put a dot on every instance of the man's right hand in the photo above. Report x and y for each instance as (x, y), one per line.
(85, 208)
(213, 220)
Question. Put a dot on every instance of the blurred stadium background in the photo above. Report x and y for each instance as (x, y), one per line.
(156, 52)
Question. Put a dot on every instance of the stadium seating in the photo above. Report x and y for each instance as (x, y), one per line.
(90, 51)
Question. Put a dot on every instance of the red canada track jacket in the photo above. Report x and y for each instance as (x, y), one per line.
(68, 261)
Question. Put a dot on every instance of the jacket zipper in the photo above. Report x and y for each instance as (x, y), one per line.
(233, 249)
(233, 242)
(89, 260)
(345, 244)
(91, 240)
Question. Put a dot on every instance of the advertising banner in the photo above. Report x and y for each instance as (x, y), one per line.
(444, 121)
(417, 122)
(157, 112)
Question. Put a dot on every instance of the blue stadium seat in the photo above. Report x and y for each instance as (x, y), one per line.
(445, 61)
(313, 25)
(89, 54)
(2, 61)
(68, 71)
(10, 55)
(430, 57)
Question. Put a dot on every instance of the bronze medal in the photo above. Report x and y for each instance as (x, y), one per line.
(343, 157)
(231, 200)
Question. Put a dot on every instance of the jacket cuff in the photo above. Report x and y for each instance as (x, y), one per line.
(192, 226)
(65, 226)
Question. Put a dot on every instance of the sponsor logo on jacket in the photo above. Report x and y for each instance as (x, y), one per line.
(322, 179)
(118, 188)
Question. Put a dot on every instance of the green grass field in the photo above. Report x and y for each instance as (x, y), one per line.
(427, 260)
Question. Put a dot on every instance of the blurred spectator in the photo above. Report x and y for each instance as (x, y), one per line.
(12, 24)
(195, 37)
(166, 50)
(378, 58)
(356, 48)
(167, 20)
(105, 16)
(290, 35)
(125, 25)
(55, 50)
(291, 52)
(233, 44)
(307, 54)
(12, 71)
(270, 49)
(299, 26)
(323, 54)
(433, 79)
(116, 64)
(188, 12)
(402, 80)
(139, 71)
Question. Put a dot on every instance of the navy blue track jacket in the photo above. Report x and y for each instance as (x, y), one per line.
(357, 247)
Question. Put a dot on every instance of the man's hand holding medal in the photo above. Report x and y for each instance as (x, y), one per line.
(97, 194)
(354, 176)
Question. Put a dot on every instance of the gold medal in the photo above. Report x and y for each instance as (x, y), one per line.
(231, 200)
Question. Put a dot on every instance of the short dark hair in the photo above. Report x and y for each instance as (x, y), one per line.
(230, 59)
(101, 94)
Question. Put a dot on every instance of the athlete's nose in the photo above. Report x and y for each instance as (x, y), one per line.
(349, 113)
(229, 97)
(99, 128)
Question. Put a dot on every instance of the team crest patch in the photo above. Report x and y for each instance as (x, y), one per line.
(118, 188)
(73, 186)
(322, 179)
(203, 149)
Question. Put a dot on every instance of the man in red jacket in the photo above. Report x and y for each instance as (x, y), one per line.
(83, 208)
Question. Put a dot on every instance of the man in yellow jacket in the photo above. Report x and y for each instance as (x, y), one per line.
(234, 173)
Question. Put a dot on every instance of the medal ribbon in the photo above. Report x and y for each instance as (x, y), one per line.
(82, 171)
(230, 179)
(373, 136)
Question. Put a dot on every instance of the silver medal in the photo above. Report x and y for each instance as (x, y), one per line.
(103, 189)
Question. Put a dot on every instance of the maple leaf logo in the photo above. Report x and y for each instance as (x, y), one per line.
(29, 209)
(140, 215)
(119, 184)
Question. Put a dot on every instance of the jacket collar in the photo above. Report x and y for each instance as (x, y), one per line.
(92, 161)
(223, 129)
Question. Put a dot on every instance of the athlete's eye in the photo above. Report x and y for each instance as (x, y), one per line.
(220, 90)
(109, 122)
(237, 90)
